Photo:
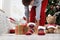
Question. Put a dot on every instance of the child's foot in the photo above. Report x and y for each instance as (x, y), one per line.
(29, 33)
(41, 30)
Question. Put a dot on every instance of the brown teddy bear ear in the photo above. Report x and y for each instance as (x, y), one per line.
(48, 16)
(54, 16)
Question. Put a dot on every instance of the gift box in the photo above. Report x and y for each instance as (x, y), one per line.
(21, 29)
(16, 30)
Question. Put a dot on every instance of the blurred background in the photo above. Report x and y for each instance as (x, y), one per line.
(15, 9)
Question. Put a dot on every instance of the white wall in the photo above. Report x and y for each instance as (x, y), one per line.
(6, 6)
(4, 23)
(13, 8)
(0, 4)
(17, 9)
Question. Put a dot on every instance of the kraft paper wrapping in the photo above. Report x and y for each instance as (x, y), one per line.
(20, 30)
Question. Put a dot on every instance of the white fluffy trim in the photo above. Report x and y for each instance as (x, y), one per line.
(31, 23)
(41, 27)
(51, 27)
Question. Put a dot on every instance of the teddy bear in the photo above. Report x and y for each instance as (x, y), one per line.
(51, 26)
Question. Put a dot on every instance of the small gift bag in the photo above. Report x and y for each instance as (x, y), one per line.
(21, 28)
(16, 30)
(25, 29)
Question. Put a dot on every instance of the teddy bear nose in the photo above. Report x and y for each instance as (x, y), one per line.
(31, 26)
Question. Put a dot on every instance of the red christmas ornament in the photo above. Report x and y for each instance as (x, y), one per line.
(51, 7)
(57, 7)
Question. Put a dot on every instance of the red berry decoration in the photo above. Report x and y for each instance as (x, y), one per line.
(51, 7)
(57, 7)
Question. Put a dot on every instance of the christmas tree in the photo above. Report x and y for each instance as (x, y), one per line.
(52, 8)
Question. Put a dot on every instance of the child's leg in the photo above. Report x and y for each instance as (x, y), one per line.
(38, 11)
(43, 14)
(32, 14)
(27, 12)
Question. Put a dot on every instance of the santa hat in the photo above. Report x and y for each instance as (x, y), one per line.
(51, 27)
(41, 27)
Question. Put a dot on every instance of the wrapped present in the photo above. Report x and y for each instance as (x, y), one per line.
(16, 30)
(21, 29)
(25, 29)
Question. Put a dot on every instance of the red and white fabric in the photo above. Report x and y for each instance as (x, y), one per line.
(38, 11)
